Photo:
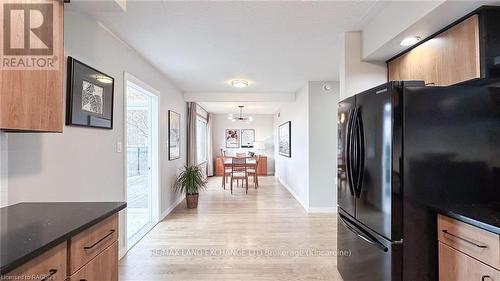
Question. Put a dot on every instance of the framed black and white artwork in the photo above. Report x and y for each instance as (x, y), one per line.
(247, 138)
(89, 96)
(232, 138)
(174, 135)
(285, 139)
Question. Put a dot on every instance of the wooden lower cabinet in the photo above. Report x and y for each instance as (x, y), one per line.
(85, 246)
(49, 266)
(102, 268)
(457, 266)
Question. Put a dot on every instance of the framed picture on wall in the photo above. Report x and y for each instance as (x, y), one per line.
(89, 96)
(285, 140)
(174, 135)
(232, 138)
(247, 138)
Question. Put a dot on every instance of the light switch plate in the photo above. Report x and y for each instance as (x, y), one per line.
(119, 147)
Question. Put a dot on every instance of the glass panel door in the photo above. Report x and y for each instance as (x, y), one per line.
(140, 161)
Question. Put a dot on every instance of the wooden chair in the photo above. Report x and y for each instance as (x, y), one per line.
(239, 172)
(241, 155)
(227, 169)
(252, 172)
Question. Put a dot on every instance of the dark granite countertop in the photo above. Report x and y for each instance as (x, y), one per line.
(29, 229)
(485, 216)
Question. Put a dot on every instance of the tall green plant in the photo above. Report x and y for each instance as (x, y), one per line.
(190, 180)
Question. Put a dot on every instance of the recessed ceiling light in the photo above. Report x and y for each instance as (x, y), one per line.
(239, 83)
(104, 79)
(408, 41)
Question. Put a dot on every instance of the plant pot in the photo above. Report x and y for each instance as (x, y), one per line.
(192, 200)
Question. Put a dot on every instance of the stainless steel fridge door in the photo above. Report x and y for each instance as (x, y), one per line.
(374, 198)
(345, 189)
(365, 256)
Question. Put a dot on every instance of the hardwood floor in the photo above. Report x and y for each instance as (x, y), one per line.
(264, 235)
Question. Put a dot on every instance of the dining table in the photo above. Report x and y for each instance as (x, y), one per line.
(251, 163)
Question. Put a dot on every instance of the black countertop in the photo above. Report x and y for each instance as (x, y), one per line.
(29, 229)
(485, 216)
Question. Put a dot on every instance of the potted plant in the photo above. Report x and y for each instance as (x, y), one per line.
(190, 181)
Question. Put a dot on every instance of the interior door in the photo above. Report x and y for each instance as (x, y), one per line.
(345, 190)
(374, 198)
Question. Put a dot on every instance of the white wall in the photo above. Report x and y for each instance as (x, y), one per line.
(323, 147)
(310, 174)
(293, 172)
(82, 164)
(263, 124)
(4, 191)
(356, 75)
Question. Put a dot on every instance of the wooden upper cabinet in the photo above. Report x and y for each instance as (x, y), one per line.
(32, 66)
(451, 57)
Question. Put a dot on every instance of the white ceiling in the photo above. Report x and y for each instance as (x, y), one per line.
(250, 107)
(277, 45)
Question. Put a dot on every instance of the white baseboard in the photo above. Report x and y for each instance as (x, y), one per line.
(123, 251)
(171, 208)
(326, 210)
(305, 206)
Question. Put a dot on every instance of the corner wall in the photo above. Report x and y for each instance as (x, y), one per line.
(323, 147)
(83, 164)
(293, 172)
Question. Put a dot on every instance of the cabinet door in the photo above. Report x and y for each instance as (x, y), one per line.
(456, 266)
(449, 58)
(49, 266)
(32, 67)
(104, 267)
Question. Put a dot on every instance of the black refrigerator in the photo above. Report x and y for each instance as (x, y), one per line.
(403, 149)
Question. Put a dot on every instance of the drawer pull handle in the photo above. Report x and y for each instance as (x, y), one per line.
(51, 273)
(100, 240)
(465, 240)
(485, 278)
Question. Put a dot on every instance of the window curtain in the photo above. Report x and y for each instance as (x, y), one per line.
(210, 160)
(191, 134)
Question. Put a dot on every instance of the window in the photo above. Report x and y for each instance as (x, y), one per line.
(201, 140)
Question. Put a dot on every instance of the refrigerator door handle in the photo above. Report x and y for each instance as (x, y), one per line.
(348, 154)
(370, 240)
(360, 141)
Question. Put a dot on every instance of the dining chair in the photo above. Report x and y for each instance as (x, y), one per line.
(227, 169)
(241, 155)
(252, 172)
(239, 172)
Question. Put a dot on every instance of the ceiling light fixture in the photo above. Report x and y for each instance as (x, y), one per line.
(408, 41)
(239, 83)
(240, 117)
(104, 79)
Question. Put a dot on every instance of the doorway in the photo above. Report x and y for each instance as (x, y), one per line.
(141, 159)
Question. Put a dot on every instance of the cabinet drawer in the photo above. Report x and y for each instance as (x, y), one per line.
(87, 245)
(475, 242)
(104, 267)
(51, 265)
(457, 266)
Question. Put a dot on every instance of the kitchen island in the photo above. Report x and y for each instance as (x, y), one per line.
(59, 240)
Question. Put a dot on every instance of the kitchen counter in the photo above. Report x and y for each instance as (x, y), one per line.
(485, 216)
(29, 229)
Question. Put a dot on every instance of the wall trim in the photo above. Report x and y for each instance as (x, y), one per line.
(306, 208)
(326, 210)
(123, 251)
(179, 200)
